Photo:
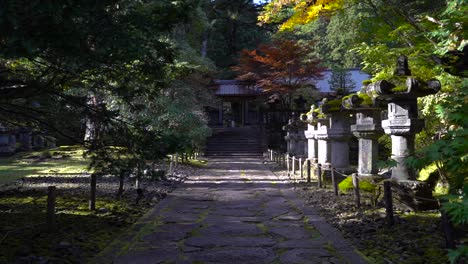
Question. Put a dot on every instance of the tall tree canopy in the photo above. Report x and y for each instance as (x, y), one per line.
(232, 27)
(300, 11)
(125, 55)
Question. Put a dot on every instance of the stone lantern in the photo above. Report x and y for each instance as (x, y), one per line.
(337, 133)
(290, 137)
(301, 140)
(403, 122)
(367, 129)
(319, 150)
(311, 119)
(401, 94)
(295, 138)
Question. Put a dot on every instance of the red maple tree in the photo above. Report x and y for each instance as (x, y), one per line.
(282, 66)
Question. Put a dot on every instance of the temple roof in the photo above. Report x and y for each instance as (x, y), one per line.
(235, 88)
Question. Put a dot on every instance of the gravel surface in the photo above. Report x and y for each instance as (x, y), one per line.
(78, 184)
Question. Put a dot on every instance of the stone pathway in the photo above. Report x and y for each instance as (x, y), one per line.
(236, 211)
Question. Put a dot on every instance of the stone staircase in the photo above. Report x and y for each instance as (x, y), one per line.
(235, 142)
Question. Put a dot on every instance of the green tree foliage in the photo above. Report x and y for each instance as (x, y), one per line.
(341, 81)
(333, 36)
(232, 27)
(54, 56)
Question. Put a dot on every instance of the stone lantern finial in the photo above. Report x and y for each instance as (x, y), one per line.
(402, 68)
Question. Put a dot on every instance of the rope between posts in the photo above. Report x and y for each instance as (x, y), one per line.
(360, 178)
(417, 197)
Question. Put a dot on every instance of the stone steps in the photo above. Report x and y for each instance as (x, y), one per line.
(234, 142)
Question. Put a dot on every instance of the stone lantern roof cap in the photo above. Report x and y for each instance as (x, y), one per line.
(331, 106)
(402, 85)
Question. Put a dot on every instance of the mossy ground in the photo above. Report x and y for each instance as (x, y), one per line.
(79, 235)
(199, 163)
(66, 161)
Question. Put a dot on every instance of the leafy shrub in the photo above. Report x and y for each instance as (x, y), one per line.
(365, 185)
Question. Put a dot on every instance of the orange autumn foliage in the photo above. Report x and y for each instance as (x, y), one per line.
(282, 66)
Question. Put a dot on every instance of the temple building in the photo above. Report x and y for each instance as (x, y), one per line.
(242, 103)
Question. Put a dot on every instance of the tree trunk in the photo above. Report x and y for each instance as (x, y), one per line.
(91, 139)
(92, 124)
(204, 47)
(92, 193)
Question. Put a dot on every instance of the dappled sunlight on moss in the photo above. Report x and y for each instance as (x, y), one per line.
(197, 163)
(61, 160)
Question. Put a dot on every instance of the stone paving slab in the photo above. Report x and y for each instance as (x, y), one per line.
(234, 211)
(252, 255)
(225, 241)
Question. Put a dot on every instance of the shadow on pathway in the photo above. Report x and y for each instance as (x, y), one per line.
(235, 211)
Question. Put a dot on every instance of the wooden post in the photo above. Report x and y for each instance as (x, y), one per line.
(308, 171)
(301, 168)
(92, 193)
(51, 195)
(171, 165)
(334, 181)
(271, 155)
(319, 175)
(286, 158)
(357, 196)
(388, 202)
(293, 165)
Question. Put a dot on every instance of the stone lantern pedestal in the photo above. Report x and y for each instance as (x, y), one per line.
(295, 138)
(368, 130)
(338, 134)
(290, 137)
(323, 144)
(312, 147)
(302, 148)
(301, 140)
